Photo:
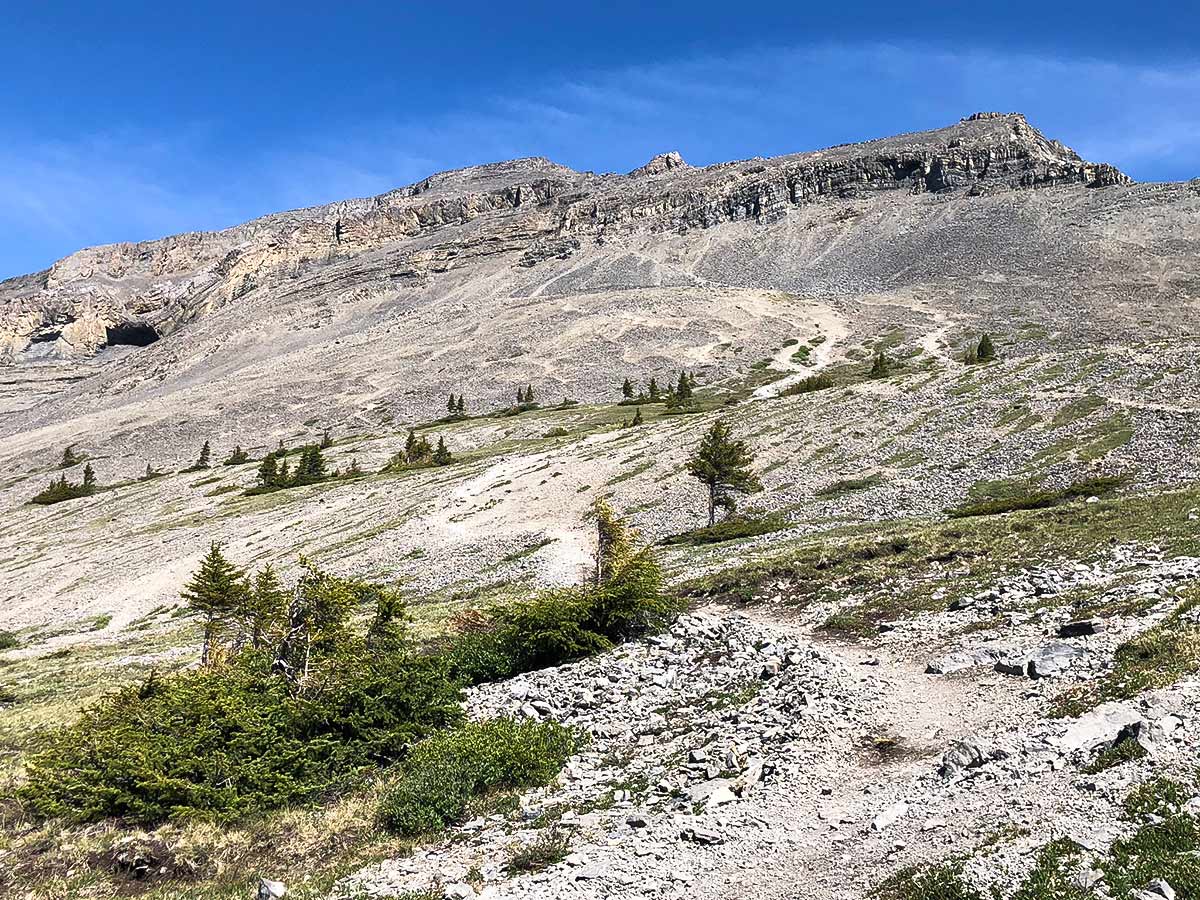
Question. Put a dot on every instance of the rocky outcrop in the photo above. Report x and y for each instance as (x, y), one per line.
(531, 208)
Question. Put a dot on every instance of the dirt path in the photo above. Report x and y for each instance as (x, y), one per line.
(832, 326)
(476, 512)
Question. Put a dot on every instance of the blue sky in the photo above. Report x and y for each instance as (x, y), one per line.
(132, 120)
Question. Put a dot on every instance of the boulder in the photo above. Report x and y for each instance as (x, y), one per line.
(1101, 727)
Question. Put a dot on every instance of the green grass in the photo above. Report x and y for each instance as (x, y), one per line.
(845, 486)
(1076, 410)
(1010, 496)
(891, 570)
(1127, 750)
(1156, 658)
(733, 529)
(533, 548)
(551, 847)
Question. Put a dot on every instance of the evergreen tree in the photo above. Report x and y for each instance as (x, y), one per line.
(655, 393)
(281, 451)
(627, 389)
(237, 457)
(218, 592)
(205, 456)
(879, 368)
(441, 456)
(268, 471)
(150, 473)
(637, 417)
(285, 475)
(89, 478)
(986, 350)
(410, 446)
(69, 458)
(461, 406)
(722, 465)
(614, 542)
(452, 405)
(520, 396)
(529, 393)
(265, 605)
(312, 464)
(683, 390)
(353, 471)
(326, 439)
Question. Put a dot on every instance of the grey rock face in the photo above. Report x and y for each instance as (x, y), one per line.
(124, 293)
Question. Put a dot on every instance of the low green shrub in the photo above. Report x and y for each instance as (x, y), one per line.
(936, 883)
(1039, 499)
(9, 641)
(731, 529)
(447, 771)
(628, 599)
(819, 382)
(550, 848)
(233, 739)
(1166, 843)
(849, 485)
(1126, 750)
(290, 700)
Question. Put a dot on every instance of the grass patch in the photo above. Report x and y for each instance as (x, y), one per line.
(1154, 659)
(518, 555)
(551, 847)
(845, 486)
(891, 570)
(1017, 495)
(732, 529)
(1127, 750)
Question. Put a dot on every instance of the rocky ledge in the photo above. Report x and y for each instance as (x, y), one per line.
(531, 209)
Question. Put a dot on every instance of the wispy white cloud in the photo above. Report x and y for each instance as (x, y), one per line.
(133, 183)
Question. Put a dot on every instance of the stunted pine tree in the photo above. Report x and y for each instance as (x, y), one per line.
(89, 479)
(655, 393)
(441, 456)
(205, 457)
(312, 464)
(452, 405)
(986, 349)
(69, 458)
(218, 592)
(614, 540)
(879, 368)
(326, 438)
(722, 465)
(683, 389)
(529, 393)
(261, 613)
(237, 457)
(520, 396)
(627, 389)
(637, 417)
(460, 407)
(268, 471)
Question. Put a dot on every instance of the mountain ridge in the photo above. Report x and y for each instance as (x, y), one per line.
(89, 299)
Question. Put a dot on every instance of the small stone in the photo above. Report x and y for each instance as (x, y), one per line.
(890, 816)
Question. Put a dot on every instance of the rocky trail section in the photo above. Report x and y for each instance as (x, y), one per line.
(530, 209)
(740, 756)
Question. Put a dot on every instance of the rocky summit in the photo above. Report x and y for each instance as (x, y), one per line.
(835, 517)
